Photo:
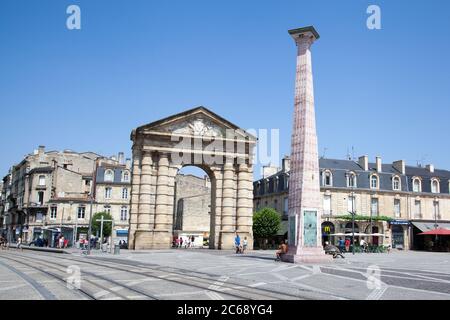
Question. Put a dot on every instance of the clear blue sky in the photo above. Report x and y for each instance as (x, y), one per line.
(384, 92)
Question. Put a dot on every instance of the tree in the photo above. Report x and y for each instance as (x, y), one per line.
(266, 223)
(96, 223)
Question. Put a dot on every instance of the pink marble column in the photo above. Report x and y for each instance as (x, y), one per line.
(304, 185)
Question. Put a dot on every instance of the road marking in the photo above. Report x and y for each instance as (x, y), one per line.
(301, 277)
(259, 284)
(216, 285)
(214, 295)
(101, 294)
(377, 294)
(12, 287)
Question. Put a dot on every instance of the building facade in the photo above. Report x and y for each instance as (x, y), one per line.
(52, 193)
(192, 213)
(393, 200)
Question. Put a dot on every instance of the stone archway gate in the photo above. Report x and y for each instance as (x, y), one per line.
(195, 137)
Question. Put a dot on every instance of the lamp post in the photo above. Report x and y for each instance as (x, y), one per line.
(353, 220)
(435, 220)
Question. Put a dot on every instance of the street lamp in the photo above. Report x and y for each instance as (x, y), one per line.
(351, 181)
(353, 220)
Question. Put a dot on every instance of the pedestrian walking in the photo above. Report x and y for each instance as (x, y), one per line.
(181, 242)
(192, 241)
(347, 245)
(244, 245)
(61, 242)
(237, 243)
(19, 244)
(341, 245)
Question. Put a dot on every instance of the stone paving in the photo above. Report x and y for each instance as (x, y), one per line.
(399, 275)
(402, 275)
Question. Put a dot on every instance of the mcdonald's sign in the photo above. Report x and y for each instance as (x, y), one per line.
(327, 229)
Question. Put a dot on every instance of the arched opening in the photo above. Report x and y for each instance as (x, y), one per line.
(327, 230)
(193, 217)
(375, 239)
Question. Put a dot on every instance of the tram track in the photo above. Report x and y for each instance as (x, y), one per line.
(94, 287)
(208, 284)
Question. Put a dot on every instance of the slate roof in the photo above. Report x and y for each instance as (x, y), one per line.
(340, 168)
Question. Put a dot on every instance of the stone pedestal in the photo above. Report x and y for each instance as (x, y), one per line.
(307, 255)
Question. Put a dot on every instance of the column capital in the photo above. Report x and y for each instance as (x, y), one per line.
(304, 35)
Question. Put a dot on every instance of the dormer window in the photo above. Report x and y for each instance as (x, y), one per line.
(396, 183)
(434, 185)
(126, 176)
(351, 180)
(327, 178)
(109, 175)
(417, 185)
(374, 182)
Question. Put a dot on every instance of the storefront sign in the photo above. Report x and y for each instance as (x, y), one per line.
(399, 222)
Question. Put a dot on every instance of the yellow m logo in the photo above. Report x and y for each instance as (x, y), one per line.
(327, 229)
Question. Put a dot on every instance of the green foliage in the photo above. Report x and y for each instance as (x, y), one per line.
(363, 218)
(96, 223)
(266, 223)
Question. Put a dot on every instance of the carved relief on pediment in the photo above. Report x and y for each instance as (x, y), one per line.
(197, 127)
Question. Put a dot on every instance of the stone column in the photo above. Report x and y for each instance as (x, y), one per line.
(228, 205)
(135, 193)
(218, 209)
(145, 206)
(162, 232)
(143, 234)
(244, 216)
(304, 185)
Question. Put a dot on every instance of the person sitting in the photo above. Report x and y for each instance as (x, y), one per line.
(282, 249)
(333, 250)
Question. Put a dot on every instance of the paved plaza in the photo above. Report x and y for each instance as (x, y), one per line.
(196, 274)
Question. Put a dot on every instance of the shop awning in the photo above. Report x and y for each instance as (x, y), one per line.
(427, 226)
(439, 232)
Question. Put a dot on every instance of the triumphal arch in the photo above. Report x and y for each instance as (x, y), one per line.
(200, 138)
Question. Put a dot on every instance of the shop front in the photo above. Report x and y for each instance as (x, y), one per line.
(399, 229)
(429, 242)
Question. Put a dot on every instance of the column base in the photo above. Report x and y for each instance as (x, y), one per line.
(306, 255)
(227, 240)
(152, 239)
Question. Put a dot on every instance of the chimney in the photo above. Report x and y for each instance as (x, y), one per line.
(378, 164)
(269, 170)
(363, 161)
(128, 163)
(399, 166)
(121, 158)
(286, 164)
(430, 167)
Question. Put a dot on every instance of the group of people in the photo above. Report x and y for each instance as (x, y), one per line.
(344, 245)
(62, 242)
(240, 247)
(188, 243)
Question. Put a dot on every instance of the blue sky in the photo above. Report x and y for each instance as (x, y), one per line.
(384, 92)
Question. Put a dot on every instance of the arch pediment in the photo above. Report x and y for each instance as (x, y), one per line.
(195, 122)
